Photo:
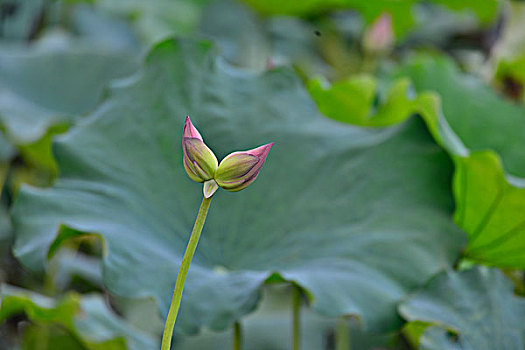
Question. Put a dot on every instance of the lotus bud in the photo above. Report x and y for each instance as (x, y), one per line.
(379, 37)
(239, 169)
(199, 161)
(209, 188)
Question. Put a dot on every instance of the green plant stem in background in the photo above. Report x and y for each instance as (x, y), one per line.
(237, 336)
(183, 272)
(342, 334)
(296, 317)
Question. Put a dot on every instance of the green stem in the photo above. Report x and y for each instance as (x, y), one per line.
(296, 317)
(342, 334)
(237, 336)
(183, 272)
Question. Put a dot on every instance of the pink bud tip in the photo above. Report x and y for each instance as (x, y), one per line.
(190, 130)
(198, 160)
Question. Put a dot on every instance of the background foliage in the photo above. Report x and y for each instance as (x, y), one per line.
(394, 197)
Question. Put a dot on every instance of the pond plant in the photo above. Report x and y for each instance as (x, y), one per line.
(390, 215)
(235, 172)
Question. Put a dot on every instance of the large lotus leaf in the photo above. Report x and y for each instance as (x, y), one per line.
(482, 119)
(476, 305)
(356, 217)
(490, 203)
(490, 207)
(52, 82)
(87, 319)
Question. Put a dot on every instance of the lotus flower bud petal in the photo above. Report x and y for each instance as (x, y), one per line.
(239, 169)
(209, 188)
(199, 161)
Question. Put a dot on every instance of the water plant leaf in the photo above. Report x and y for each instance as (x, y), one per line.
(18, 20)
(460, 112)
(86, 320)
(471, 309)
(401, 11)
(335, 209)
(268, 328)
(490, 179)
(155, 20)
(75, 77)
(480, 117)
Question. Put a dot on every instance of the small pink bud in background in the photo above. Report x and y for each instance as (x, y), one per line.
(199, 161)
(379, 37)
(239, 169)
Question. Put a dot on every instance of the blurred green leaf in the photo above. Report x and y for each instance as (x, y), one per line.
(37, 307)
(19, 19)
(413, 330)
(90, 26)
(242, 37)
(482, 119)
(52, 82)
(69, 266)
(485, 10)
(401, 11)
(470, 310)
(157, 19)
(358, 101)
(335, 209)
(514, 68)
(490, 203)
(85, 321)
(269, 328)
(490, 207)
(7, 151)
(100, 325)
(490, 200)
(254, 43)
(349, 101)
(511, 75)
(511, 45)
(50, 336)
